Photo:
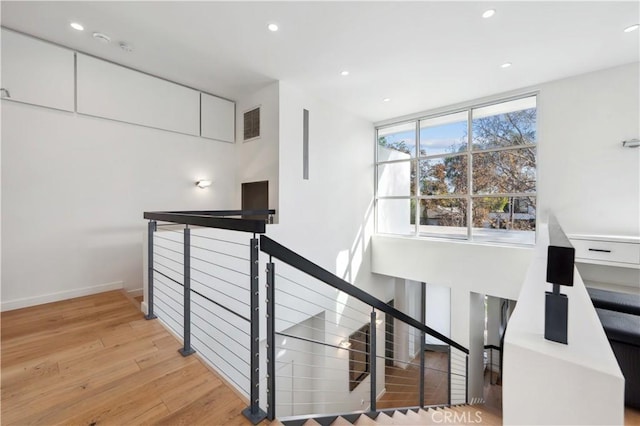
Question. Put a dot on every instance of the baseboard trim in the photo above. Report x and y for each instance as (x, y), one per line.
(56, 297)
(143, 308)
(135, 292)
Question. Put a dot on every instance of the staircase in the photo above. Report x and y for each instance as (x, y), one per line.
(453, 415)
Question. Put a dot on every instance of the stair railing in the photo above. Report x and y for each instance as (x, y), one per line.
(332, 326)
(212, 274)
(203, 283)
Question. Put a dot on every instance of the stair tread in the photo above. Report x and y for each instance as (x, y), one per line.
(383, 419)
(341, 421)
(365, 420)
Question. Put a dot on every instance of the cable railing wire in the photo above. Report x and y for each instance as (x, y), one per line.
(220, 279)
(243, 345)
(218, 265)
(218, 304)
(219, 239)
(359, 321)
(224, 320)
(319, 293)
(222, 345)
(219, 292)
(220, 253)
(156, 264)
(222, 358)
(179, 262)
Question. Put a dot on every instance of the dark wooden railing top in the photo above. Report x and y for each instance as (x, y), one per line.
(222, 219)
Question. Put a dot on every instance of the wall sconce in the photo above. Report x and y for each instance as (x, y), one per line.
(345, 344)
(631, 143)
(202, 184)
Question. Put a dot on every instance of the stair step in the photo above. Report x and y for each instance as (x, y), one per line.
(383, 419)
(365, 420)
(401, 419)
(341, 421)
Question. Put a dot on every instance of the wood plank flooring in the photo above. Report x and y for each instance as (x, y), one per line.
(95, 360)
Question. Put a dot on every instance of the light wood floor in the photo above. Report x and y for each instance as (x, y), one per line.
(96, 360)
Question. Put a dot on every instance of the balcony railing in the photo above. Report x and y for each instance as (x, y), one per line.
(297, 341)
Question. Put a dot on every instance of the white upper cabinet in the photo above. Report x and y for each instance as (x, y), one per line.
(217, 119)
(118, 93)
(36, 72)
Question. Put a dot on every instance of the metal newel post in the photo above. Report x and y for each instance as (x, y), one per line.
(253, 411)
(151, 228)
(449, 374)
(466, 379)
(423, 314)
(271, 344)
(372, 360)
(187, 349)
(491, 366)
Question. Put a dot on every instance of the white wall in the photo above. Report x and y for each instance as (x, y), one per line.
(74, 189)
(584, 176)
(328, 218)
(438, 311)
(257, 159)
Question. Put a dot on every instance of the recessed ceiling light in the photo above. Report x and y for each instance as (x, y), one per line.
(506, 65)
(386, 99)
(103, 38)
(272, 27)
(345, 73)
(76, 26)
(489, 13)
(632, 28)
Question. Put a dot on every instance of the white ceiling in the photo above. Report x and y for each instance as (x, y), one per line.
(422, 55)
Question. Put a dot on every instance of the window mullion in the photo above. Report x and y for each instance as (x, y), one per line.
(417, 194)
(469, 174)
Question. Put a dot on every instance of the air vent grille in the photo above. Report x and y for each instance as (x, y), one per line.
(252, 124)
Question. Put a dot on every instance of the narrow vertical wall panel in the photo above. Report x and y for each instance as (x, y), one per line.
(305, 144)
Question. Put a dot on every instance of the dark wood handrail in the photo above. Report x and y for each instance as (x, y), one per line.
(215, 219)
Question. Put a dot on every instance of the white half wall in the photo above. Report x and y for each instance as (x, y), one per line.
(74, 189)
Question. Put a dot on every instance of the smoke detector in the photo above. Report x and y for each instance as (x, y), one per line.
(126, 47)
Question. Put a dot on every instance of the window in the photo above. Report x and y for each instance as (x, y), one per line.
(469, 174)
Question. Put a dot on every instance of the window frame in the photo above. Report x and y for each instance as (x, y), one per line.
(469, 152)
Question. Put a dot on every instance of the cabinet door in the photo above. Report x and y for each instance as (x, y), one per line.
(37, 72)
(217, 118)
(112, 91)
